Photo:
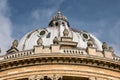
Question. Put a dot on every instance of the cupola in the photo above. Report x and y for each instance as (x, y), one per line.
(58, 20)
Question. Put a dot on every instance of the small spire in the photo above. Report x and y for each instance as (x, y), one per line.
(58, 12)
(59, 15)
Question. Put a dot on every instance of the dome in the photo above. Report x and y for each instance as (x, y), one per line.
(55, 29)
(59, 52)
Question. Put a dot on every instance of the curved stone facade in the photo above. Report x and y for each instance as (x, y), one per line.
(62, 60)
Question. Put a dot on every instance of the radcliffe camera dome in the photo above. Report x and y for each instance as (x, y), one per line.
(59, 52)
(55, 29)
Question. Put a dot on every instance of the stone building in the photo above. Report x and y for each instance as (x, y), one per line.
(59, 52)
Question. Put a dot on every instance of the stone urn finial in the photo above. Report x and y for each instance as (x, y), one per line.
(39, 41)
(111, 49)
(90, 43)
(104, 46)
(13, 48)
(55, 40)
(65, 32)
(15, 44)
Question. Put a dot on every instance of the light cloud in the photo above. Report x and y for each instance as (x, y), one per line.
(40, 14)
(115, 34)
(106, 30)
(97, 34)
(42, 17)
(5, 27)
(43, 14)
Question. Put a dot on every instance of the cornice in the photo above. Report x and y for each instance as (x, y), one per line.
(61, 59)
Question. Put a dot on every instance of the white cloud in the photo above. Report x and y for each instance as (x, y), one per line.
(5, 27)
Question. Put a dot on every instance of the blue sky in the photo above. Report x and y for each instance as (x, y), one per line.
(99, 17)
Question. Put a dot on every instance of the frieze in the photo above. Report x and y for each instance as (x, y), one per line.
(59, 75)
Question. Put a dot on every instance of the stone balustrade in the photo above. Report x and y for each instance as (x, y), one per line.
(78, 52)
(74, 51)
(19, 54)
(116, 58)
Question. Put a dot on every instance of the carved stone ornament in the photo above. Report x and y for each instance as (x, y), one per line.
(15, 44)
(39, 41)
(55, 40)
(36, 77)
(111, 49)
(104, 46)
(57, 77)
(59, 16)
(13, 48)
(90, 43)
(65, 32)
(45, 77)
